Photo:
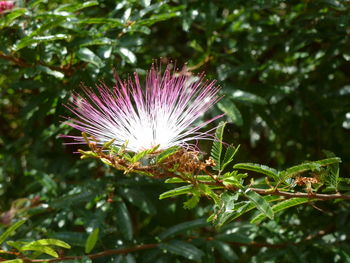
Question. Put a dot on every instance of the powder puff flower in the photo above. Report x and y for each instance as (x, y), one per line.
(6, 5)
(164, 113)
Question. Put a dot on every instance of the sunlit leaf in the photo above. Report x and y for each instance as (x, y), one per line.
(13, 261)
(260, 203)
(259, 168)
(229, 155)
(311, 166)
(49, 242)
(216, 149)
(230, 109)
(245, 96)
(142, 154)
(124, 220)
(91, 240)
(200, 178)
(24, 42)
(101, 20)
(41, 248)
(77, 6)
(87, 55)
(127, 54)
(10, 230)
(10, 17)
(166, 153)
(177, 191)
(282, 206)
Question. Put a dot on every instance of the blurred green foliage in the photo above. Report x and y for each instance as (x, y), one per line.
(284, 72)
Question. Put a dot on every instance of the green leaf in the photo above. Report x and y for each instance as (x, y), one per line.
(73, 238)
(145, 3)
(98, 42)
(331, 178)
(10, 230)
(225, 250)
(51, 23)
(183, 249)
(301, 168)
(174, 180)
(329, 161)
(13, 261)
(259, 168)
(188, 189)
(127, 54)
(166, 153)
(310, 166)
(230, 109)
(200, 178)
(180, 228)
(216, 149)
(145, 173)
(43, 249)
(16, 244)
(10, 17)
(244, 96)
(229, 154)
(193, 201)
(49, 242)
(24, 42)
(124, 220)
(208, 191)
(234, 179)
(227, 209)
(91, 240)
(35, 3)
(142, 154)
(111, 22)
(177, 191)
(76, 7)
(157, 18)
(260, 203)
(282, 206)
(139, 199)
(47, 70)
(239, 209)
(87, 55)
(233, 237)
(73, 200)
(108, 144)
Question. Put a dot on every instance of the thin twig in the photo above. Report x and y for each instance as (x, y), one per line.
(300, 194)
(283, 193)
(100, 254)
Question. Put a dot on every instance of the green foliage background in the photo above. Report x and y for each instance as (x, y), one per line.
(284, 72)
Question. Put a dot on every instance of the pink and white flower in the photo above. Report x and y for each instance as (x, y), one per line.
(6, 5)
(164, 112)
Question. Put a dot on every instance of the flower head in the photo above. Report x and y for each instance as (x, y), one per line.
(164, 113)
(6, 5)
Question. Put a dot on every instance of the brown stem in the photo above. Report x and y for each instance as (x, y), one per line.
(300, 194)
(201, 63)
(218, 182)
(9, 252)
(283, 193)
(150, 246)
(100, 254)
